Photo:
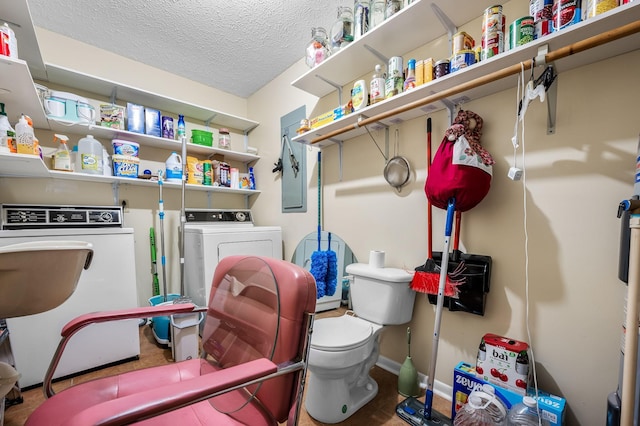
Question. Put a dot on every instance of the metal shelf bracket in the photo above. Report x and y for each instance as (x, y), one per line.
(446, 23)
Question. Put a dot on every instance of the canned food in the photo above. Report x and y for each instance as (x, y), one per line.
(521, 31)
(542, 12)
(463, 59)
(566, 13)
(207, 172)
(596, 7)
(462, 41)
(493, 24)
(441, 68)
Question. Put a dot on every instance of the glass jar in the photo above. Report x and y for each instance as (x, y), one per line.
(224, 140)
(393, 7)
(318, 48)
(361, 12)
(342, 29)
(377, 12)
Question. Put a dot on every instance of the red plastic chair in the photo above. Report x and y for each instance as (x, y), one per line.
(255, 343)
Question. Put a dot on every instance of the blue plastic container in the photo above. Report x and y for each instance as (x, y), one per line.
(161, 325)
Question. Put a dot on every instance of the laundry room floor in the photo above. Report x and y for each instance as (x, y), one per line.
(380, 411)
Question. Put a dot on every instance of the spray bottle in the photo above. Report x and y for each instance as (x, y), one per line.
(62, 156)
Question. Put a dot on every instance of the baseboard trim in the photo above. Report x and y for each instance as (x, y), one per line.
(441, 389)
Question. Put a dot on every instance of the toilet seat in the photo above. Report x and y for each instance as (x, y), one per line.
(338, 334)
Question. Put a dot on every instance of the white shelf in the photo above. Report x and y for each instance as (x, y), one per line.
(18, 93)
(600, 24)
(31, 166)
(124, 93)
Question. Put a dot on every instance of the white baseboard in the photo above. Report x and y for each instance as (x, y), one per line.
(443, 390)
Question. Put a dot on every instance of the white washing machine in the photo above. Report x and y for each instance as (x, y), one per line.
(211, 235)
(108, 284)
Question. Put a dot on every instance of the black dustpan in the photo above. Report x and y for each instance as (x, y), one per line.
(471, 272)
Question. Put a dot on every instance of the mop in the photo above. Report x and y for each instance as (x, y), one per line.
(319, 260)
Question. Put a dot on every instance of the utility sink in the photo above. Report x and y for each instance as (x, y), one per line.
(39, 276)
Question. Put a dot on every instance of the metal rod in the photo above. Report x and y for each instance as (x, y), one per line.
(560, 53)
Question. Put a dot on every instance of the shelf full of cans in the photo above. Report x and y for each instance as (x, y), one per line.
(470, 59)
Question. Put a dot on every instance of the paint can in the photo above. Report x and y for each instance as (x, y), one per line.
(461, 60)
(566, 13)
(441, 68)
(542, 12)
(493, 24)
(521, 31)
(462, 41)
(596, 7)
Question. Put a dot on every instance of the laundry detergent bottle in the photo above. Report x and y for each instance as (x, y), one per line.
(89, 156)
(174, 168)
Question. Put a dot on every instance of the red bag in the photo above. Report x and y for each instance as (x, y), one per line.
(461, 168)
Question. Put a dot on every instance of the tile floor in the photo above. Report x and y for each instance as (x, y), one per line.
(380, 411)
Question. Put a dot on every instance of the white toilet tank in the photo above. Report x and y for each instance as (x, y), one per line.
(381, 295)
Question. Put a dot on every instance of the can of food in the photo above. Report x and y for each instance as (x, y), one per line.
(225, 174)
(596, 7)
(428, 69)
(207, 173)
(566, 13)
(462, 59)
(521, 31)
(493, 23)
(441, 68)
(462, 41)
(542, 12)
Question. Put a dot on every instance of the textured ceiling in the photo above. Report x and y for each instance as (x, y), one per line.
(236, 46)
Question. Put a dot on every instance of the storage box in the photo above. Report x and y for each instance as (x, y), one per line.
(465, 381)
(152, 122)
(135, 118)
(112, 116)
(125, 166)
(503, 362)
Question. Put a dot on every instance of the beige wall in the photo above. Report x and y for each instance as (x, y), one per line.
(575, 180)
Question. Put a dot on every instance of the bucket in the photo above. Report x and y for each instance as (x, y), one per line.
(161, 325)
(174, 168)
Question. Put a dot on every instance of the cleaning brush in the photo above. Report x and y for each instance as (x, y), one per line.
(332, 270)
(319, 269)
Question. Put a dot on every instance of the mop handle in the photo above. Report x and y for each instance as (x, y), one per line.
(429, 207)
(319, 202)
(163, 259)
(329, 243)
(436, 327)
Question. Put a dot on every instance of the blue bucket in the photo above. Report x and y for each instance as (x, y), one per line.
(160, 325)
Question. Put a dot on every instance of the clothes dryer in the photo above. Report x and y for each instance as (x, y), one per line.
(211, 235)
(108, 284)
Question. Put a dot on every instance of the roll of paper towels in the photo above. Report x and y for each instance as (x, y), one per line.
(376, 259)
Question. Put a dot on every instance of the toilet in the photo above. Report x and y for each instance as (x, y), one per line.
(344, 349)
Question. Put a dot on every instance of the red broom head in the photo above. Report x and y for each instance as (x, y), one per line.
(428, 282)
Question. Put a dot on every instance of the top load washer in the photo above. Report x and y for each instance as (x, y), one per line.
(211, 235)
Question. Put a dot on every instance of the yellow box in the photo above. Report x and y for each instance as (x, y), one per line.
(427, 65)
(321, 120)
(419, 72)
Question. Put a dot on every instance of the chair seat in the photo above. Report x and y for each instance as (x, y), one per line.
(60, 408)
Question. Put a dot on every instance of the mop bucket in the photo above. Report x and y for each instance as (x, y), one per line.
(185, 336)
(161, 325)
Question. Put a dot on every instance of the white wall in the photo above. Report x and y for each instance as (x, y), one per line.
(575, 180)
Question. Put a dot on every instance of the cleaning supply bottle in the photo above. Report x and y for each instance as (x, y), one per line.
(62, 156)
(252, 179)
(376, 92)
(174, 168)
(182, 129)
(90, 156)
(24, 137)
(5, 127)
(525, 413)
(74, 158)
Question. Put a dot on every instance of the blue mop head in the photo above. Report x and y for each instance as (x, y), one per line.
(319, 271)
(332, 270)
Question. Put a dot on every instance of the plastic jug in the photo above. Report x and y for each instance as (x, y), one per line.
(483, 408)
(89, 156)
(174, 168)
(525, 413)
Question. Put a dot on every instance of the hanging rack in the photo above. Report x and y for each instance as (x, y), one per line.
(541, 59)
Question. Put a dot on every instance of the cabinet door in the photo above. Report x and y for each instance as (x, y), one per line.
(294, 188)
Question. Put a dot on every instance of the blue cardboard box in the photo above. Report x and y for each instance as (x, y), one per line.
(135, 118)
(152, 122)
(465, 381)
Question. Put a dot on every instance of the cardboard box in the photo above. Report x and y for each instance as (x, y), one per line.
(504, 362)
(465, 381)
(152, 122)
(135, 118)
(112, 116)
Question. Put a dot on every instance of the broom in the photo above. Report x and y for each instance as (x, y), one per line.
(319, 260)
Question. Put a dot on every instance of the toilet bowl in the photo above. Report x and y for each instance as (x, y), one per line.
(344, 349)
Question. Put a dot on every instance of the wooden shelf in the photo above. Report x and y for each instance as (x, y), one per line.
(615, 18)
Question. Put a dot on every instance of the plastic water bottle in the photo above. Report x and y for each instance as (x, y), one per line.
(525, 413)
(174, 168)
(483, 408)
(90, 156)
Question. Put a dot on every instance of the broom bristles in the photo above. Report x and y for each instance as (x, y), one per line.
(429, 282)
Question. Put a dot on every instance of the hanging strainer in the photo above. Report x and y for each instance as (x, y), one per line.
(397, 171)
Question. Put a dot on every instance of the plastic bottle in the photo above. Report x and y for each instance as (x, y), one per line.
(483, 408)
(90, 156)
(182, 130)
(410, 81)
(359, 96)
(252, 179)
(74, 158)
(173, 168)
(525, 413)
(106, 163)
(5, 127)
(376, 92)
(62, 156)
(24, 137)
